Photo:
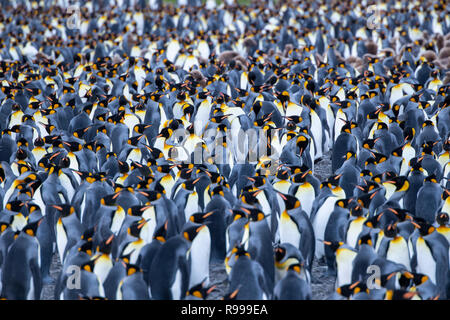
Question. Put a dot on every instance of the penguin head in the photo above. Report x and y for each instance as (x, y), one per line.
(300, 177)
(106, 245)
(249, 198)
(423, 226)
(254, 214)
(290, 201)
(400, 294)
(86, 247)
(442, 219)
(431, 178)
(295, 267)
(191, 232)
(218, 191)
(190, 184)
(365, 239)
(344, 203)
(401, 183)
(136, 227)
(88, 234)
(409, 133)
(132, 269)
(123, 167)
(391, 230)
(302, 143)
(333, 245)
(200, 291)
(200, 217)
(32, 227)
(349, 290)
(64, 209)
(160, 233)
(239, 251)
(151, 195)
(401, 214)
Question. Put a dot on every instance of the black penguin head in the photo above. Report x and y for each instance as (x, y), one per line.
(64, 209)
(32, 227)
(280, 254)
(132, 269)
(296, 267)
(86, 247)
(290, 201)
(423, 226)
(191, 232)
(239, 251)
(400, 294)
(200, 291)
(136, 227)
(431, 178)
(123, 167)
(391, 230)
(160, 233)
(349, 290)
(88, 234)
(151, 195)
(300, 177)
(200, 217)
(442, 218)
(401, 183)
(302, 143)
(254, 214)
(334, 245)
(190, 184)
(344, 203)
(401, 214)
(365, 239)
(106, 245)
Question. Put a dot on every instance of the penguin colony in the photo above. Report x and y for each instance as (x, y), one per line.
(92, 169)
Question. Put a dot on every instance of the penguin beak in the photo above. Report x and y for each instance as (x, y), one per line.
(211, 289)
(57, 208)
(108, 241)
(206, 215)
(393, 211)
(415, 224)
(282, 196)
(196, 180)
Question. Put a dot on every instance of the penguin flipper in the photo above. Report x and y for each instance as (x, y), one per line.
(37, 280)
(184, 268)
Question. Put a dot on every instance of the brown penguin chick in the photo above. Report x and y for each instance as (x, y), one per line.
(227, 56)
(354, 61)
(372, 47)
(249, 43)
(447, 78)
(447, 44)
(447, 37)
(198, 77)
(287, 49)
(117, 59)
(444, 53)
(339, 57)
(440, 41)
(429, 55)
(240, 65)
(240, 59)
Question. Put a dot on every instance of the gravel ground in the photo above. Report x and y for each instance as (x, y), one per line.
(322, 284)
(55, 269)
